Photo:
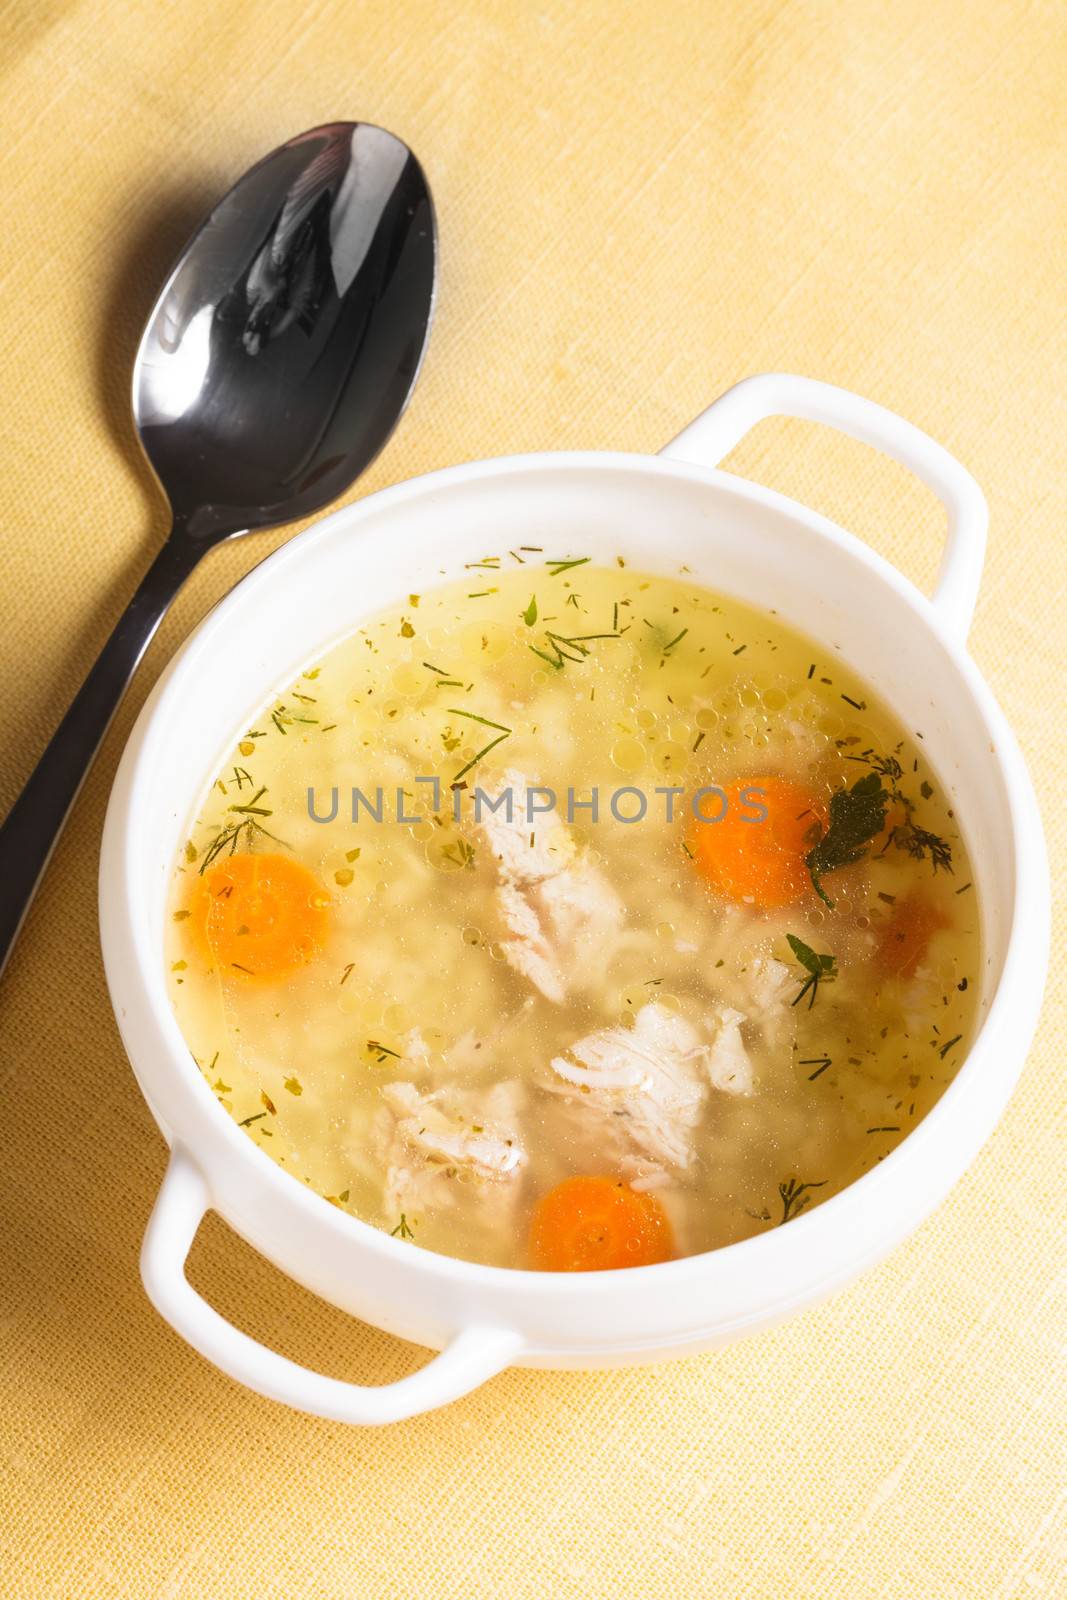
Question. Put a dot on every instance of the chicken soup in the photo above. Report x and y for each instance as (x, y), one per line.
(570, 918)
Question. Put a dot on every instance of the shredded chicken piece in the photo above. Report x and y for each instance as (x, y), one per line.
(768, 985)
(765, 988)
(415, 1047)
(561, 915)
(768, 989)
(729, 1065)
(635, 1093)
(525, 852)
(430, 1142)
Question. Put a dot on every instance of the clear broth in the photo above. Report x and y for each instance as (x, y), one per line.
(602, 678)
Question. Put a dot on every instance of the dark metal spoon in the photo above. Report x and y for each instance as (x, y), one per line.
(273, 368)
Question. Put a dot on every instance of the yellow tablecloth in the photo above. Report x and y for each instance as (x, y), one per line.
(639, 204)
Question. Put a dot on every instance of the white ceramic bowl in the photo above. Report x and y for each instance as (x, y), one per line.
(658, 512)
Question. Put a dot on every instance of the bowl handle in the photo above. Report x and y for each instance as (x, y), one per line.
(776, 394)
(473, 1355)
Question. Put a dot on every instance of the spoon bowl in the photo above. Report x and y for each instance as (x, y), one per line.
(276, 363)
(286, 342)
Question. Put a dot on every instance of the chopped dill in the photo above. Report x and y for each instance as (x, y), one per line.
(455, 711)
(576, 640)
(484, 751)
(462, 853)
(570, 647)
(795, 1196)
(253, 809)
(921, 844)
(228, 839)
(554, 664)
(907, 835)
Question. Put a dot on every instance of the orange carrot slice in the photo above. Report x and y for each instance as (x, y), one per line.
(593, 1224)
(262, 916)
(760, 863)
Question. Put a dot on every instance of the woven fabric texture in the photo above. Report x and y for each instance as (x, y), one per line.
(639, 204)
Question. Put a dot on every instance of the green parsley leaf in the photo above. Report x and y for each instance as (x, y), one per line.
(857, 816)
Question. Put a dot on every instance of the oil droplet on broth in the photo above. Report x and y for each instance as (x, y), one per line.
(409, 680)
(628, 755)
(671, 758)
(484, 642)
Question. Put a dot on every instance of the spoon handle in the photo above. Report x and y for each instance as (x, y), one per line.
(35, 821)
